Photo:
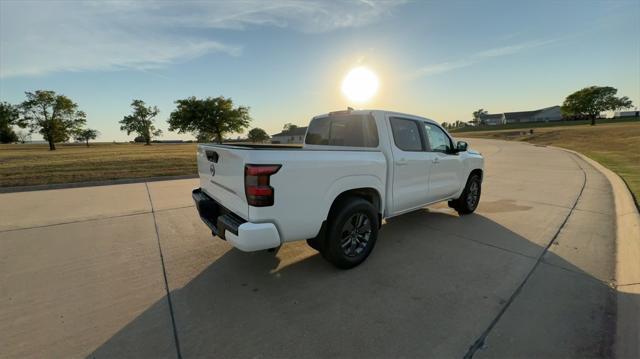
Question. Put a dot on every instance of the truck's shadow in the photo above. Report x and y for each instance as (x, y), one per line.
(422, 293)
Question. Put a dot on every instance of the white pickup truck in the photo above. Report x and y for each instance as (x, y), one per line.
(355, 169)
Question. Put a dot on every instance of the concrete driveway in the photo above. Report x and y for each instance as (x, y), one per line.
(84, 272)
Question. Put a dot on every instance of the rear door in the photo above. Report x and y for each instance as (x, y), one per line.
(221, 171)
(411, 164)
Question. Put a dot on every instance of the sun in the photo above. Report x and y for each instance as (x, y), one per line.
(360, 84)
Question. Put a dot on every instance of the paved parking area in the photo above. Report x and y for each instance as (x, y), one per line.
(84, 272)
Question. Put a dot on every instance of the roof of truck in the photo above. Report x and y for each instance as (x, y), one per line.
(366, 111)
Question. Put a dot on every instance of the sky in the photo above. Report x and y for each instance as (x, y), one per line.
(286, 59)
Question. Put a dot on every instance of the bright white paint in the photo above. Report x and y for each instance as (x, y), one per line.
(312, 177)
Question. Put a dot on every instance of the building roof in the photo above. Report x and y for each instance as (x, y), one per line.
(298, 131)
(525, 114)
(521, 114)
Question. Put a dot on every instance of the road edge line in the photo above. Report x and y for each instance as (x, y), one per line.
(627, 343)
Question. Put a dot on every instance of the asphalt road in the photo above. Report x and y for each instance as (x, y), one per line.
(83, 273)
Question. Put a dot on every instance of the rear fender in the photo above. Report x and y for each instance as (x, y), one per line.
(348, 183)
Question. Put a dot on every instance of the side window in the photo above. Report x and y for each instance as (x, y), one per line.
(318, 132)
(438, 140)
(406, 134)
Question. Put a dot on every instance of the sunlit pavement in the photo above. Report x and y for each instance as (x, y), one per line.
(81, 274)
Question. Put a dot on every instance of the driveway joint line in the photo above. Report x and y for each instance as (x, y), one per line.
(482, 243)
(610, 284)
(164, 274)
(94, 219)
(627, 284)
(72, 222)
(480, 342)
(557, 206)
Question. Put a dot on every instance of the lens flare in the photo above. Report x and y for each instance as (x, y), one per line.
(360, 84)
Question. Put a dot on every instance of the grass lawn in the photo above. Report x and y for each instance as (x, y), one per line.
(32, 164)
(614, 145)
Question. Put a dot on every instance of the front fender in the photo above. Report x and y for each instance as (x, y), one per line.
(471, 163)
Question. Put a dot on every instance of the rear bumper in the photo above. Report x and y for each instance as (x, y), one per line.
(223, 223)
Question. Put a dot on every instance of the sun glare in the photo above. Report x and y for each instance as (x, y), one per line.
(360, 84)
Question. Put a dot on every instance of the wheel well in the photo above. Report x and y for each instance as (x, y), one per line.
(369, 194)
(478, 172)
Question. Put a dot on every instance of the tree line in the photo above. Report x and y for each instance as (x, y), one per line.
(586, 103)
(57, 118)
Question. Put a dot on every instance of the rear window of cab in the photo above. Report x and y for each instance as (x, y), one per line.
(343, 130)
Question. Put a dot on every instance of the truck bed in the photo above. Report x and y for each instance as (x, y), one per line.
(304, 186)
(257, 146)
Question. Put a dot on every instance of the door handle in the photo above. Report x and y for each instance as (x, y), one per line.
(436, 160)
(401, 162)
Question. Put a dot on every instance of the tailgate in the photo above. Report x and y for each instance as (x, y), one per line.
(221, 171)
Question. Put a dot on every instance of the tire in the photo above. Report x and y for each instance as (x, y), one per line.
(470, 198)
(313, 243)
(352, 232)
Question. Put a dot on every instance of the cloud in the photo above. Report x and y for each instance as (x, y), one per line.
(306, 16)
(513, 49)
(442, 67)
(39, 37)
(480, 56)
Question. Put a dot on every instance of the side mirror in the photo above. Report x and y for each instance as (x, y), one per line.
(461, 146)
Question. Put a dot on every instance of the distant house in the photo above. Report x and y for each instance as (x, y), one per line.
(493, 119)
(542, 115)
(626, 114)
(292, 136)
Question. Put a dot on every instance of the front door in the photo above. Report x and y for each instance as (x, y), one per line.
(444, 178)
(410, 165)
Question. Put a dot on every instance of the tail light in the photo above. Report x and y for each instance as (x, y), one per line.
(256, 184)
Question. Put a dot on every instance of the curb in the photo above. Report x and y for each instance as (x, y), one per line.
(627, 344)
(44, 187)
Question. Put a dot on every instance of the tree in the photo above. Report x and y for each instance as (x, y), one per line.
(204, 137)
(209, 118)
(54, 116)
(7, 135)
(23, 136)
(477, 116)
(258, 135)
(590, 101)
(141, 121)
(9, 116)
(289, 127)
(87, 134)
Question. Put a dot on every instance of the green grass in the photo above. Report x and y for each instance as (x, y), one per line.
(614, 145)
(515, 126)
(33, 164)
